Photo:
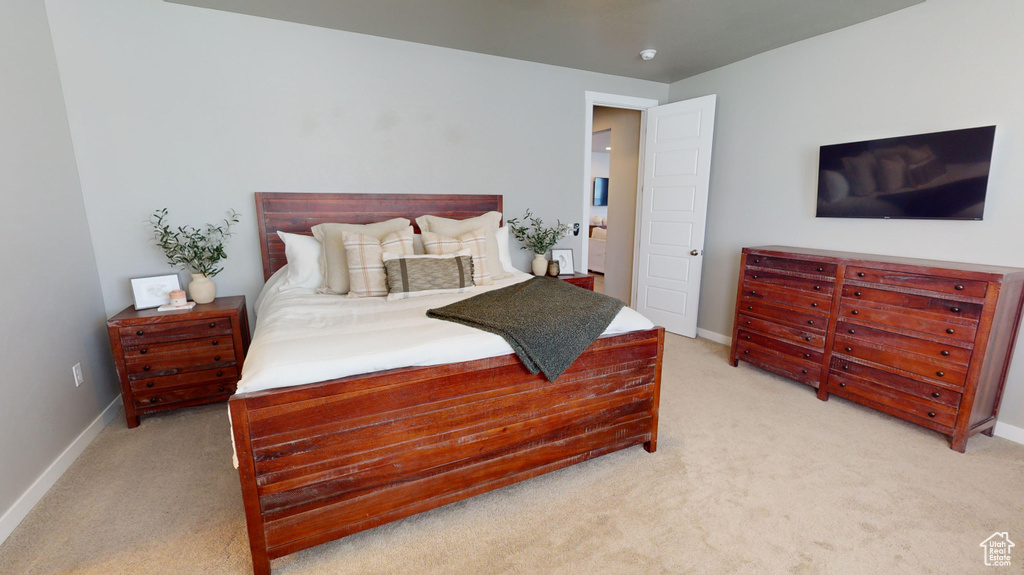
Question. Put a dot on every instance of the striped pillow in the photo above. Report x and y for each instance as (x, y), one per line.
(474, 241)
(365, 263)
(414, 276)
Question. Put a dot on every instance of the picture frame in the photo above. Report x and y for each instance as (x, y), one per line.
(565, 261)
(153, 291)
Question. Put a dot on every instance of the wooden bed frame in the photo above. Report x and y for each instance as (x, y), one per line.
(321, 461)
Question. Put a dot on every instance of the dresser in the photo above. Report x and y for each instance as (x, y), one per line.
(926, 341)
(172, 359)
(585, 281)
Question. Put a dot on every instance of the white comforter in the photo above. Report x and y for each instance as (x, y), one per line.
(304, 337)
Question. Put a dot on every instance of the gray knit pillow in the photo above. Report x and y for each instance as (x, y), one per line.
(414, 276)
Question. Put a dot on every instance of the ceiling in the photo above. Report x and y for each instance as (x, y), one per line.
(691, 36)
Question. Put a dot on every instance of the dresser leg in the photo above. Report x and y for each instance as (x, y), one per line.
(822, 393)
(959, 443)
(989, 431)
(133, 420)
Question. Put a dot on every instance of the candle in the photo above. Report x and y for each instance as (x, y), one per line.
(177, 297)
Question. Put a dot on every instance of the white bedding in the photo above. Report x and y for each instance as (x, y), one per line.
(304, 337)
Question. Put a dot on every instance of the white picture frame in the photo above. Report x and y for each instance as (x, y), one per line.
(565, 261)
(154, 291)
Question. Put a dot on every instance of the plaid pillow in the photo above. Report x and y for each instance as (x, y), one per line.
(474, 241)
(414, 276)
(365, 263)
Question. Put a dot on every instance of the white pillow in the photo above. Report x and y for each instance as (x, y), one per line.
(503, 254)
(303, 255)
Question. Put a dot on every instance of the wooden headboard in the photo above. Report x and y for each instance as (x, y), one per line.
(298, 212)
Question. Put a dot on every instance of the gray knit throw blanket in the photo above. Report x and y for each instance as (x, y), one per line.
(548, 322)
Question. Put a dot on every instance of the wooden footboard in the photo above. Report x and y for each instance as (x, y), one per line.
(321, 461)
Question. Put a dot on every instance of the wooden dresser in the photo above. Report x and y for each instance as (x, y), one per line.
(927, 341)
(166, 360)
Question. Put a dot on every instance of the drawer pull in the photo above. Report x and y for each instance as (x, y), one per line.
(154, 399)
(950, 331)
(810, 322)
(944, 352)
(814, 305)
(807, 355)
(860, 274)
(935, 394)
(213, 324)
(817, 287)
(808, 338)
(954, 309)
(754, 276)
(821, 269)
(142, 351)
(842, 385)
(940, 373)
(145, 368)
(216, 358)
(958, 287)
(752, 292)
(757, 261)
(803, 371)
(847, 366)
(139, 332)
(748, 337)
(931, 414)
(852, 331)
(746, 351)
(750, 307)
(849, 349)
(149, 384)
(748, 323)
(856, 293)
(220, 373)
(221, 388)
(854, 312)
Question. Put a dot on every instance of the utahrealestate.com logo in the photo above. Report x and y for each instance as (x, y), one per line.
(997, 549)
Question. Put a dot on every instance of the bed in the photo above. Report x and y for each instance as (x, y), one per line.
(319, 461)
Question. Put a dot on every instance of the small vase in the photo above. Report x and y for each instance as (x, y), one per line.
(540, 265)
(553, 268)
(202, 289)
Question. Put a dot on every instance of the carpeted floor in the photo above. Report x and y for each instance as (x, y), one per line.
(752, 475)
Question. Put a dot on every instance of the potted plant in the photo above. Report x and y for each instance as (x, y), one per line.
(538, 238)
(198, 250)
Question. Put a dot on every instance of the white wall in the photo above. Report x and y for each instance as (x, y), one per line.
(196, 109)
(53, 310)
(939, 65)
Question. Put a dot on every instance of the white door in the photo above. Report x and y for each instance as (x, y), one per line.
(674, 204)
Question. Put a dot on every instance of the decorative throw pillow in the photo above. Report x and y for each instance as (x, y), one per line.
(415, 276)
(366, 263)
(860, 170)
(503, 254)
(334, 260)
(474, 241)
(454, 228)
(303, 255)
(892, 172)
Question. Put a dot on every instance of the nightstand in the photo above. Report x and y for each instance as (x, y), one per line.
(585, 281)
(171, 359)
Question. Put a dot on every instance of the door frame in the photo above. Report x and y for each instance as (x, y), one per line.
(592, 99)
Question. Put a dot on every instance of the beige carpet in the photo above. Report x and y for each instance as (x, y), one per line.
(752, 475)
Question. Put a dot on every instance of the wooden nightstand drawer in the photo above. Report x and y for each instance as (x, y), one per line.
(167, 360)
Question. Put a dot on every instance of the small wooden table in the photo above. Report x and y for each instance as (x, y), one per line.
(585, 281)
(171, 359)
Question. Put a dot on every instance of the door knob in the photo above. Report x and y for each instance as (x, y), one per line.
(694, 253)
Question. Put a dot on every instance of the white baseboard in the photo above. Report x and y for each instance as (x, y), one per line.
(713, 336)
(1007, 431)
(13, 516)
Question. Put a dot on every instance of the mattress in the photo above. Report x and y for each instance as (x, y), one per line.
(304, 337)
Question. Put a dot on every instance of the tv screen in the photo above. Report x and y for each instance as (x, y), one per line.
(600, 191)
(936, 176)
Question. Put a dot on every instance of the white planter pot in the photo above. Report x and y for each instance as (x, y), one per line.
(540, 265)
(202, 289)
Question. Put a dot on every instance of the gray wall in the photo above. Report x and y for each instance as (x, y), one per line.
(943, 64)
(624, 164)
(53, 310)
(196, 109)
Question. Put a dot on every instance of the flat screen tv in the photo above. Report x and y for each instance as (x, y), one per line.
(600, 191)
(937, 176)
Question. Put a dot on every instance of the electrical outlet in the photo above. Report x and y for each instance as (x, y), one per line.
(76, 370)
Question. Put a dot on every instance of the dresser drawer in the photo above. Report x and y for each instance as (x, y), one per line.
(951, 328)
(806, 356)
(171, 331)
(917, 281)
(178, 357)
(790, 281)
(159, 398)
(910, 362)
(941, 353)
(806, 337)
(802, 301)
(783, 315)
(920, 389)
(191, 379)
(861, 391)
(793, 265)
(785, 366)
(935, 307)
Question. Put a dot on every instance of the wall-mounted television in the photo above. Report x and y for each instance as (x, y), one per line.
(936, 176)
(600, 191)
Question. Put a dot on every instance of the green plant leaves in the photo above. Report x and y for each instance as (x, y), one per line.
(195, 249)
(534, 236)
